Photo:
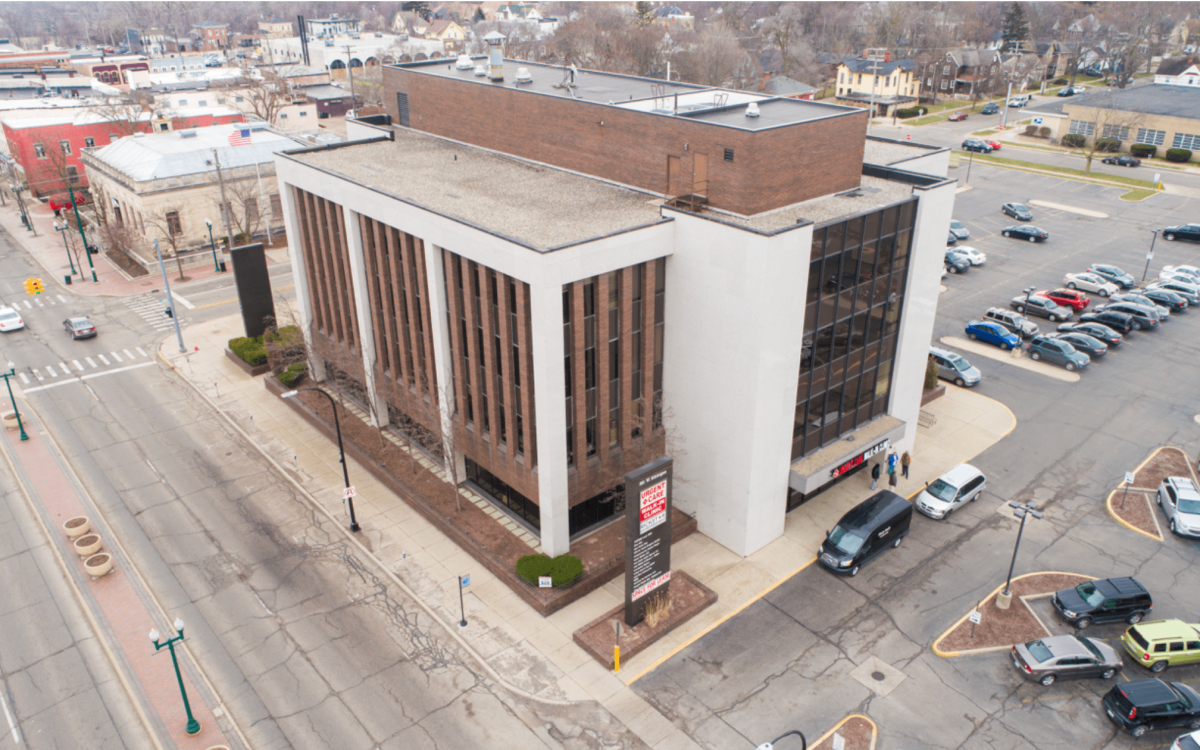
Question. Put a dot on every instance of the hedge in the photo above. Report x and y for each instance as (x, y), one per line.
(1059, 82)
(1031, 129)
(931, 374)
(1074, 140)
(1044, 131)
(1110, 145)
(251, 350)
(293, 374)
(911, 111)
(563, 570)
(1178, 154)
(1143, 150)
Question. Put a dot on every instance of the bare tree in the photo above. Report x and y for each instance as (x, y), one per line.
(245, 206)
(715, 58)
(1110, 125)
(169, 228)
(128, 114)
(265, 90)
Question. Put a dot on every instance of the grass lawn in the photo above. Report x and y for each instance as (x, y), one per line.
(1078, 173)
(1139, 194)
(926, 120)
(985, 132)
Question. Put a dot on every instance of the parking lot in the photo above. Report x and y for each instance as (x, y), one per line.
(820, 647)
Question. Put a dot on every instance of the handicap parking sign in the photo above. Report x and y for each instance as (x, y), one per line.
(1037, 121)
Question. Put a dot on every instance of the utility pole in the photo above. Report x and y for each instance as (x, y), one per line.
(350, 72)
(226, 207)
(1004, 111)
(874, 80)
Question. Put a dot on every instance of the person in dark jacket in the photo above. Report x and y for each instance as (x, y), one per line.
(874, 476)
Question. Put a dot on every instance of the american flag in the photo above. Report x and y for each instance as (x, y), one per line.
(240, 137)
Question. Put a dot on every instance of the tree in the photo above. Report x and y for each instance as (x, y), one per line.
(479, 16)
(245, 206)
(1014, 28)
(421, 9)
(644, 12)
(127, 113)
(265, 91)
(1109, 124)
(715, 58)
(167, 225)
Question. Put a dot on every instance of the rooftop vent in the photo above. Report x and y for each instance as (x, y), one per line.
(752, 110)
(524, 76)
(480, 70)
(187, 133)
(138, 135)
(464, 62)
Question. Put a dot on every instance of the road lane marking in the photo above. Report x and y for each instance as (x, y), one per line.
(141, 351)
(90, 362)
(181, 300)
(82, 378)
(77, 365)
(102, 359)
(38, 375)
(16, 737)
(24, 378)
(114, 356)
(66, 370)
(228, 301)
(63, 299)
(129, 353)
(50, 369)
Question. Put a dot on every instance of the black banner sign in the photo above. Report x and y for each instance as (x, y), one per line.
(647, 536)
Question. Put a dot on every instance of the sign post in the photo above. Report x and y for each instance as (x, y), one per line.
(463, 582)
(647, 535)
(975, 618)
(1129, 477)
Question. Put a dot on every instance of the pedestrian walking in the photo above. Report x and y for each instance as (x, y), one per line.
(893, 476)
(875, 476)
(905, 460)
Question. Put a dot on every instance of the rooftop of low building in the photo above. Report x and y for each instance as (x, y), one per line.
(155, 156)
(1152, 99)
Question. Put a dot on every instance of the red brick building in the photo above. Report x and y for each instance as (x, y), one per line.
(211, 36)
(47, 149)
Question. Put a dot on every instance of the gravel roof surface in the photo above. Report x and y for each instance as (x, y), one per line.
(536, 205)
(885, 153)
(876, 192)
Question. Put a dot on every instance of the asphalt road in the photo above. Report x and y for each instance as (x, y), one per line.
(789, 660)
(308, 645)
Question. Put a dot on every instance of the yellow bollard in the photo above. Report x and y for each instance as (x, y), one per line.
(616, 658)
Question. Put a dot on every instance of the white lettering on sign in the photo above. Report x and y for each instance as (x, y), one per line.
(649, 586)
(652, 506)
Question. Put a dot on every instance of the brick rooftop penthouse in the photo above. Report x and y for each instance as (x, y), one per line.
(666, 138)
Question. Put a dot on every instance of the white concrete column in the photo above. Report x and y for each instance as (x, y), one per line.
(925, 261)
(362, 308)
(291, 223)
(545, 303)
(435, 274)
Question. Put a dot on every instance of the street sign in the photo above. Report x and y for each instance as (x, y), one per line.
(975, 617)
(348, 493)
(1037, 121)
(1129, 477)
(1149, 256)
(465, 580)
(545, 582)
(839, 742)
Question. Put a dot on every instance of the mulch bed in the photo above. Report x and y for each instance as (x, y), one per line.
(858, 733)
(482, 536)
(126, 264)
(1135, 509)
(1168, 462)
(689, 597)
(1000, 627)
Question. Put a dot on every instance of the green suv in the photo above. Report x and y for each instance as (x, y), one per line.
(1163, 643)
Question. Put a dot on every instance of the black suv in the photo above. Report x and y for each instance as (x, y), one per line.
(1140, 316)
(1152, 704)
(1106, 600)
(1182, 232)
(1118, 321)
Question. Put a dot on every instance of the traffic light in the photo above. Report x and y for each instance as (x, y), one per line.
(29, 286)
(38, 286)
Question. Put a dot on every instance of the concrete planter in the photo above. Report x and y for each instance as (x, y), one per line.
(933, 394)
(10, 420)
(88, 545)
(98, 565)
(251, 370)
(77, 526)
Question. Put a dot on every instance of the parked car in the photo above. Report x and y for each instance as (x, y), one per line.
(954, 367)
(951, 239)
(1070, 91)
(1141, 317)
(1189, 741)
(1033, 234)
(1180, 503)
(1192, 271)
(1071, 298)
(1014, 321)
(1182, 232)
(1017, 211)
(877, 523)
(1066, 657)
(1118, 321)
(1113, 274)
(976, 145)
(1095, 330)
(1163, 643)
(956, 263)
(990, 108)
(1019, 101)
(962, 484)
(994, 144)
(1137, 298)
(1122, 161)
(957, 117)
(1166, 298)
(974, 256)
(79, 328)
(1058, 352)
(992, 333)
(1105, 600)
(10, 320)
(1090, 282)
(959, 230)
(1140, 706)
(1040, 307)
(1089, 345)
(1177, 275)
(1190, 292)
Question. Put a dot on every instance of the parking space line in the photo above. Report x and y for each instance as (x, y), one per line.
(992, 352)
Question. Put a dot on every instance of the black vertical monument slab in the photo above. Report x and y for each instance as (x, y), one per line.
(253, 288)
(647, 536)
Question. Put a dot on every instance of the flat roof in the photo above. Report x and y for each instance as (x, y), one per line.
(872, 193)
(885, 151)
(1155, 98)
(532, 204)
(726, 107)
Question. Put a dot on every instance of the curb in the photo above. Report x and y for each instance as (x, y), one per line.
(874, 730)
(987, 649)
(1153, 515)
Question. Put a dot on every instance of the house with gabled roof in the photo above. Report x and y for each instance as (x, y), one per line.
(961, 72)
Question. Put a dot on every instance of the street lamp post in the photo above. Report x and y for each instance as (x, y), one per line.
(12, 370)
(213, 245)
(1150, 255)
(342, 451)
(87, 249)
(1022, 511)
(1028, 291)
(193, 726)
(770, 745)
(66, 247)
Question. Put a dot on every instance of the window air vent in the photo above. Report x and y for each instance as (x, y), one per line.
(728, 154)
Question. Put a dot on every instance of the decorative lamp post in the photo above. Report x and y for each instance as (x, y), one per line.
(193, 726)
(1150, 255)
(87, 248)
(213, 245)
(12, 370)
(1029, 290)
(66, 247)
(1022, 511)
(337, 426)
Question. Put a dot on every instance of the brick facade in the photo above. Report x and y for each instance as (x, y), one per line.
(631, 147)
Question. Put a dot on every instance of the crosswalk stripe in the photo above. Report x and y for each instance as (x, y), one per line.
(90, 362)
(114, 356)
(101, 358)
(24, 378)
(141, 351)
(28, 305)
(128, 353)
(38, 375)
(77, 365)
(50, 369)
(64, 299)
(39, 303)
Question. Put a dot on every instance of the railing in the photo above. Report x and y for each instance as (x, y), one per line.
(926, 419)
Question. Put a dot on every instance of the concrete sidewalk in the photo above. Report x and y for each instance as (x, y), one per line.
(535, 655)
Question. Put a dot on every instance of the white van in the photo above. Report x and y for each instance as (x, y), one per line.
(1019, 101)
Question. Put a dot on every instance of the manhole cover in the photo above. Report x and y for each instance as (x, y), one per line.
(878, 676)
